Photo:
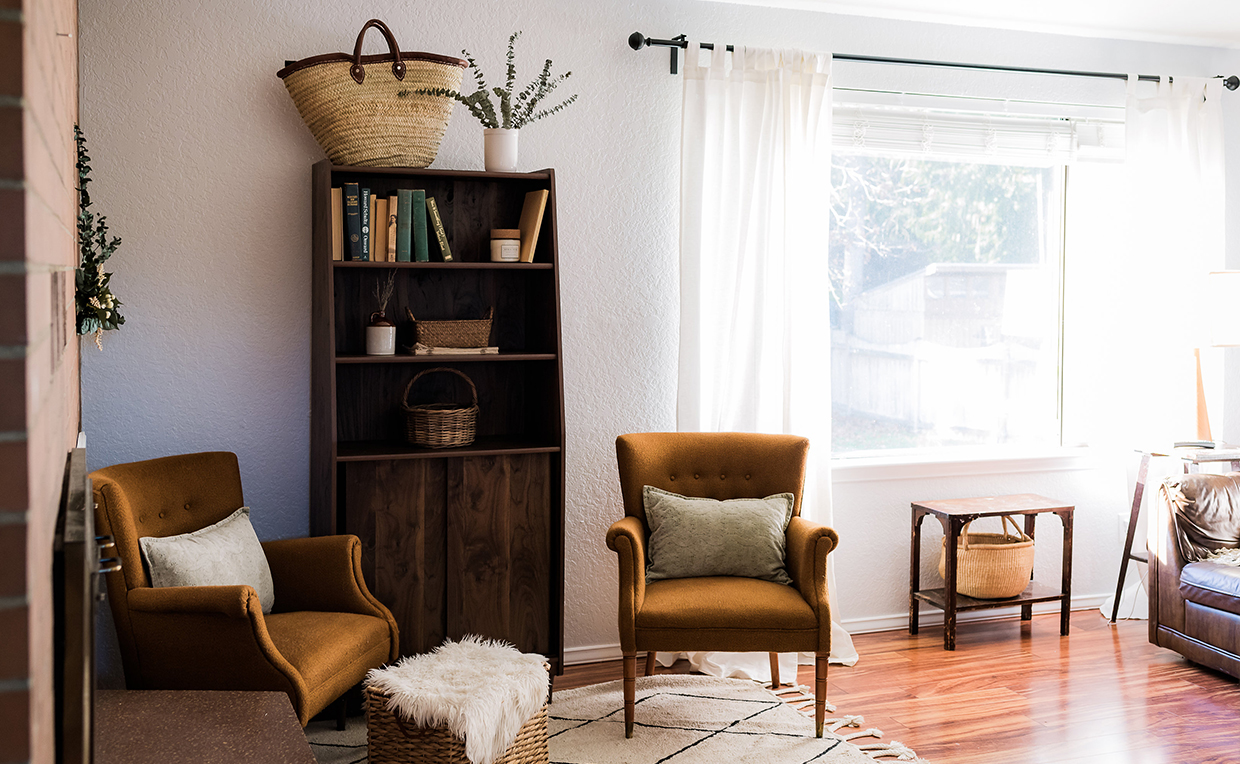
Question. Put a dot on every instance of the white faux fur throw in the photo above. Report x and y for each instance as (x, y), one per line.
(482, 690)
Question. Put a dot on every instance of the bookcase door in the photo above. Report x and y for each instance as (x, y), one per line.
(499, 550)
(397, 510)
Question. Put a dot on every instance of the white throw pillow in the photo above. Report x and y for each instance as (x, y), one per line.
(225, 554)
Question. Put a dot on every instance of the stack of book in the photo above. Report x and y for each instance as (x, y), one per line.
(371, 228)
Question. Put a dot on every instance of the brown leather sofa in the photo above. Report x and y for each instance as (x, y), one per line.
(1194, 603)
(325, 632)
(720, 612)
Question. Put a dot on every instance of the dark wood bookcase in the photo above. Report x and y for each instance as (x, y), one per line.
(455, 541)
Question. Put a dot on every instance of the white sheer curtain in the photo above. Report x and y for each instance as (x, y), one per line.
(754, 329)
(1141, 238)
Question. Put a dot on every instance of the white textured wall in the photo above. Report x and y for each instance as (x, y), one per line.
(203, 167)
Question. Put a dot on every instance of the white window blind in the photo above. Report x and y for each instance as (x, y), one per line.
(976, 129)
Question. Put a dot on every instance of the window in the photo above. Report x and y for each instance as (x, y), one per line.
(946, 254)
(945, 303)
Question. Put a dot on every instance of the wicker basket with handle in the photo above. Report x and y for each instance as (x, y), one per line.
(440, 425)
(991, 565)
(466, 333)
(354, 107)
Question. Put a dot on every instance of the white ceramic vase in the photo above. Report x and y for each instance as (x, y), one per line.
(500, 149)
(380, 335)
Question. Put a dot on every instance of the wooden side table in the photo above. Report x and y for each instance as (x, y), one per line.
(953, 514)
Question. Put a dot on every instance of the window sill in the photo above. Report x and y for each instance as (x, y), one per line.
(961, 463)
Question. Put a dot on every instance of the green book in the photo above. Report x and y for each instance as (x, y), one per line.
(420, 253)
(432, 210)
(405, 210)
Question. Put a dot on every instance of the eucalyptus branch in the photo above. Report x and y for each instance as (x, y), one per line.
(515, 111)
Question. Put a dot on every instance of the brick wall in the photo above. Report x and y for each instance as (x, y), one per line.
(39, 396)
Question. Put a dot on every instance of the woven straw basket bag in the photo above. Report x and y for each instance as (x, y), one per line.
(353, 107)
(991, 565)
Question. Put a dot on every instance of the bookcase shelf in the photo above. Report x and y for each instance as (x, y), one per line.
(455, 541)
(448, 266)
(369, 450)
(440, 359)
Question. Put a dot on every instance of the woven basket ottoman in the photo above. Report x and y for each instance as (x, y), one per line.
(393, 738)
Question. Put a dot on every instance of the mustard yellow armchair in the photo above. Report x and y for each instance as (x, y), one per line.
(720, 612)
(324, 633)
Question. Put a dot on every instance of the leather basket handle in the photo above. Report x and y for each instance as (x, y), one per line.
(357, 71)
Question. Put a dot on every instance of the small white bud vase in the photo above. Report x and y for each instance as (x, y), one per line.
(499, 149)
(380, 335)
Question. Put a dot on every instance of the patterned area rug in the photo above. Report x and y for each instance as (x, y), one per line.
(688, 719)
(681, 719)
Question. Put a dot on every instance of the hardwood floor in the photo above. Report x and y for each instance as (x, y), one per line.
(1016, 692)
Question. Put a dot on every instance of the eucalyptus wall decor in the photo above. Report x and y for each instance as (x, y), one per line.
(97, 308)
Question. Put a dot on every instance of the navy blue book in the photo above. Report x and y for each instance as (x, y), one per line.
(365, 251)
(352, 222)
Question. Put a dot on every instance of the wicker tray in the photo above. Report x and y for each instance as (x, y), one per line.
(468, 333)
(392, 741)
(440, 425)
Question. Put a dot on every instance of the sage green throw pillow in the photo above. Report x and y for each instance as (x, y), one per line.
(691, 537)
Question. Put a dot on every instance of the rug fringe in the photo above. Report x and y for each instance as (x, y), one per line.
(895, 748)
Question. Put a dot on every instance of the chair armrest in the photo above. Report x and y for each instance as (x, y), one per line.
(627, 538)
(238, 601)
(209, 638)
(1164, 564)
(324, 573)
(809, 543)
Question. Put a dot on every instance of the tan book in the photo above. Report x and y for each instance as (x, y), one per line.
(531, 221)
(337, 224)
(380, 231)
(391, 232)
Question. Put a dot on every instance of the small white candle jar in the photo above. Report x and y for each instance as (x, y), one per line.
(505, 245)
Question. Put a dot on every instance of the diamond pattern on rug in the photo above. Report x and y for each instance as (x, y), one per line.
(703, 720)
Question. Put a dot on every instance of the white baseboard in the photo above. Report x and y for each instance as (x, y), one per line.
(929, 617)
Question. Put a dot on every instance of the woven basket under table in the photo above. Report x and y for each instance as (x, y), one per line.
(991, 565)
(392, 741)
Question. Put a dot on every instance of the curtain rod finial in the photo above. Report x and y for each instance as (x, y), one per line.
(637, 41)
(1232, 82)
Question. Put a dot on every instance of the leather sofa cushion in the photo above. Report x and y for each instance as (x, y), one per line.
(1212, 585)
(1207, 512)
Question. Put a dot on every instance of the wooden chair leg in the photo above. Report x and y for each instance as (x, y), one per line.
(774, 671)
(820, 692)
(650, 663)
(630, 692)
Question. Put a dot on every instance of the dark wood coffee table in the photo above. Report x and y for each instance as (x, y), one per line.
(192, 726)
(953, 514)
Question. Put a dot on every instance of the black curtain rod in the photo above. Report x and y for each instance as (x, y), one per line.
(637, 41)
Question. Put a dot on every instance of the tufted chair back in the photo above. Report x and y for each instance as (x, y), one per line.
(712, 465)
(158, 497)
